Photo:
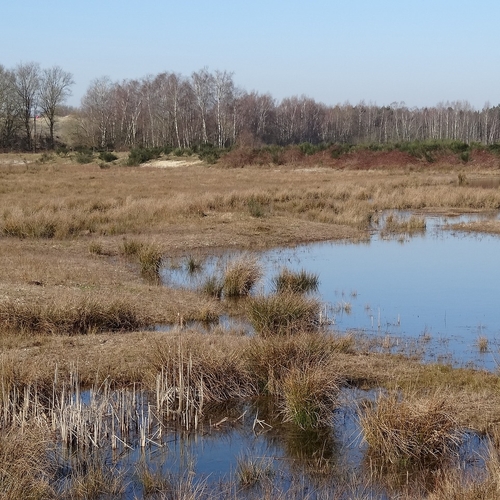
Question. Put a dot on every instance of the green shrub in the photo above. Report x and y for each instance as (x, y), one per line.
(142, 155)
(107, 156)
(84, 156)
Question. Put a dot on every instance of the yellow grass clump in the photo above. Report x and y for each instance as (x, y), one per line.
(401, 429)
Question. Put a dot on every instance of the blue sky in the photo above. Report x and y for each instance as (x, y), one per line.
(381, 51)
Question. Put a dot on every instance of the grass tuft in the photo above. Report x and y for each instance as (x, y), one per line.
(482, 344)
(295, 282)
(418, 429)
(309, 396)
(283, 314)
(240, 277)
(149, 255)
(193, 265)
(213, 286)
(270, 360)
(401, 225)
(252, 471)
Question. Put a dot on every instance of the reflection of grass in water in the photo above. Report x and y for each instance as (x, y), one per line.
(193, 265)
(92, 477)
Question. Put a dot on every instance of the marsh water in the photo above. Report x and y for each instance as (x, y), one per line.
(433, 294)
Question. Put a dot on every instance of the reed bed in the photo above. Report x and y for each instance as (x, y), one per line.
(288, 281)
(400, 430)
(283, 314)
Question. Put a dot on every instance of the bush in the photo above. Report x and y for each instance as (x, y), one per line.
(107, 156)
(142, 155)
(84, 156)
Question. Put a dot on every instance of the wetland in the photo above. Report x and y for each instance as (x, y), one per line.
(123, 376)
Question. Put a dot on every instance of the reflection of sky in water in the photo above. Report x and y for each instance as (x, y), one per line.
(444, 283)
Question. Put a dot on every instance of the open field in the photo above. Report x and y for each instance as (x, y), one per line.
(80, 246)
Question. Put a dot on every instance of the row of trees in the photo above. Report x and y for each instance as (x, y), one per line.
(208, 107)
(26, 92)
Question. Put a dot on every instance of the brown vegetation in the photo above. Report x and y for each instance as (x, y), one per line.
(78, 245)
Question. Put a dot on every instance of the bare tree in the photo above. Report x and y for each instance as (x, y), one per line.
(54, 90)
(9, 109)
(97, 112)
(224, 93)
(203, 88)
(27, 85)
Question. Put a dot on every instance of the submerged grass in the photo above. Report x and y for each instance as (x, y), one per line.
(251, 471)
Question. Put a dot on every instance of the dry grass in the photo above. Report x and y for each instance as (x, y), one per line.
(310, 396)
(92, 478)
(295, 281)
(81, 315)
(272, 359)
(401, 429)
(251, 471)
(65, 269)
(240, 277)
(283, 314)
(394, 224)
(26, 469)
(451, 485)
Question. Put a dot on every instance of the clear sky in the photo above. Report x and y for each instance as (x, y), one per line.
(418, 51)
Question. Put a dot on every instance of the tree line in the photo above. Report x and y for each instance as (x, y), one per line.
(209, 108)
